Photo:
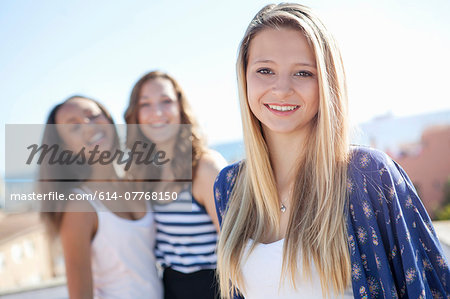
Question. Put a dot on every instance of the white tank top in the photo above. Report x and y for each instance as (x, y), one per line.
(123, 262)
(262, 272)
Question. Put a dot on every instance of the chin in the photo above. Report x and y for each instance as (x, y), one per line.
(163, 136)
(276, 128)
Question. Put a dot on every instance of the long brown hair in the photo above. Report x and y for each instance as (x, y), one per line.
(317, 225)
(53, 211)
(186, 116)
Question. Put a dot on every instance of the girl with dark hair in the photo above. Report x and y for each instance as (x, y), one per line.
(108, 247)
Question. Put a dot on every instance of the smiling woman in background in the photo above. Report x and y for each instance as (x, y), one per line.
(107, 254)
(306, 215)
(186, 239)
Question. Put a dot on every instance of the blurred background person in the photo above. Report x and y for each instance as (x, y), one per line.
(185, 240)
(108, 246)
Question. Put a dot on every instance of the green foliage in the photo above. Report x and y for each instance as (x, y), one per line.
(444, 212)
(447, 193)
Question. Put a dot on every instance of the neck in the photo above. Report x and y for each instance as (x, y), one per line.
(285, 152)
(167, 147)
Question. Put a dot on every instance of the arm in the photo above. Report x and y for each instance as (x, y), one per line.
(209, 167)
(223, 186)
(393, 247)
(77, 230)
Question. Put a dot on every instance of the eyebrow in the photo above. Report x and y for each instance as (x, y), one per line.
(162, 96)
(70, 120)
(298, 63)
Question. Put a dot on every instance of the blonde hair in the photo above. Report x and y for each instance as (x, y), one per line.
(317, 225)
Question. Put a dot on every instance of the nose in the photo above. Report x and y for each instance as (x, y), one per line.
(90, 126)
(89, 129)
(156, 111)
(282, 87)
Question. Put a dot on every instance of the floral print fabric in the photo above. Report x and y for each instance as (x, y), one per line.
(393, 247)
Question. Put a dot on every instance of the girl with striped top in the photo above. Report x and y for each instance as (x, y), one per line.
(187, 227)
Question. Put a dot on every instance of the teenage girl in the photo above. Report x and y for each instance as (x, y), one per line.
(186, 239)
(305, 215)
(107, 254)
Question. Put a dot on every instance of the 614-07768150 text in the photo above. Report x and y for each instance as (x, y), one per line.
(129, 195)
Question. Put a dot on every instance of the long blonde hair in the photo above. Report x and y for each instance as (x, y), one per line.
(317, 225)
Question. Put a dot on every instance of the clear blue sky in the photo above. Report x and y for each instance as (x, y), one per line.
(395, 53)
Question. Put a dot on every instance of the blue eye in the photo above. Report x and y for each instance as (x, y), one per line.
(265, 71)
(303, 74)
(167, 101)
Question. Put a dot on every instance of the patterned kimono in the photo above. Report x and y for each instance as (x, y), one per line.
(393, 247)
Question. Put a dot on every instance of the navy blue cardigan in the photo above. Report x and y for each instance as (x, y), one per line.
(393, 246)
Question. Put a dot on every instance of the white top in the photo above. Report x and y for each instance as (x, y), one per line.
(262, 272)
(123, 263)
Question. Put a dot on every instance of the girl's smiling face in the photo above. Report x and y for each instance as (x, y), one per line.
(81, 123)
(282, 84)
(159, 110)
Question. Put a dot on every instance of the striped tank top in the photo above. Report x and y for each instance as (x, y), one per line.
(186, 238)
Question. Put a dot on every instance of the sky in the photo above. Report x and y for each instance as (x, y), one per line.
(395, 54)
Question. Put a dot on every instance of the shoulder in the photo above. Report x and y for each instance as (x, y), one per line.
(378, 187)
(372, 167)
(223, 186)
(372, 172)
(79, 221)
(79, 215)
(211, 162)
(209, 166)
(227, 176)
(365, 159)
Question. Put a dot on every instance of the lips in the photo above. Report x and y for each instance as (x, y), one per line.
(283, 109)
(96, 138)
(158, 125)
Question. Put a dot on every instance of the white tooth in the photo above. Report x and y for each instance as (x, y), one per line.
(282, 108)
(96, 137)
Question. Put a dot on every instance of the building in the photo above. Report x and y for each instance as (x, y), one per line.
(427, 163)
(27, 256)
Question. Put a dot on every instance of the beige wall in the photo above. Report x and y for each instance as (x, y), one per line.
(27, 259)
(428, 165)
